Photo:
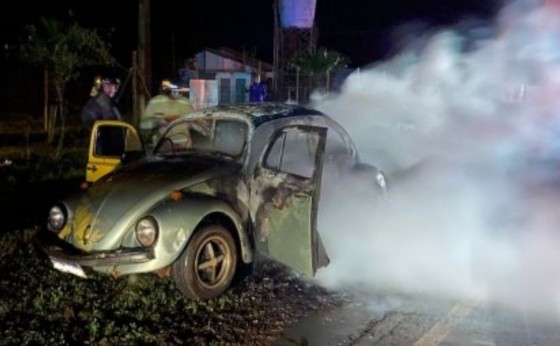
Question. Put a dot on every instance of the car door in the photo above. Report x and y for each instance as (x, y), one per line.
(111, 142)
(285, 197)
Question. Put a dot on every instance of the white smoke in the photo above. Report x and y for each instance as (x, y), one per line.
(468, 133)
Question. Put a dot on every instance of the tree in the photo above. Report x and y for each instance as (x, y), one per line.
(62, 50)
(317, 63)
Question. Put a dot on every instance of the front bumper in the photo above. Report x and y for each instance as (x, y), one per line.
(57, 249)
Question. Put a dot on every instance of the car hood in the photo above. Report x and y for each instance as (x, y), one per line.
(110, 206)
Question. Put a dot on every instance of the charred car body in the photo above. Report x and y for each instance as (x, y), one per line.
(221, 186)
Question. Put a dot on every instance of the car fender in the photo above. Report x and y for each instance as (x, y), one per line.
(178, 220)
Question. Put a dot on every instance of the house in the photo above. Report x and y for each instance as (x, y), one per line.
(222, 76)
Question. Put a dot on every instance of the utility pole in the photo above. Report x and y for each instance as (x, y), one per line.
(275, 50)
(173, 53)
(135, 90)
(144, 55)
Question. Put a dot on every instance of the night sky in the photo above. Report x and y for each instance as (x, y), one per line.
(360, 29)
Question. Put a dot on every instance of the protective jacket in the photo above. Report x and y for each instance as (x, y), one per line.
(100, 107)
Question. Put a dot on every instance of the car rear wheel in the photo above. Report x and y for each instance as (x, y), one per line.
(207, 266)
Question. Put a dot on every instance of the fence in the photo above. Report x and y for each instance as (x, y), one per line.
(299, 87)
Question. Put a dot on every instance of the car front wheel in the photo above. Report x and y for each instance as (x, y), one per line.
(207, 266)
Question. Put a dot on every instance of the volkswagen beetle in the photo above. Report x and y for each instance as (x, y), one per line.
(221, 186)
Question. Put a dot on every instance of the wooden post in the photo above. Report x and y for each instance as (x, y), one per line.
(135, 89)
(46, 99)
(144, 55)
(297, 84)
(275, 50)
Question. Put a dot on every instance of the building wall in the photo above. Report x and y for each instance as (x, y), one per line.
(203, 93)
(232, 78)
(233, 86)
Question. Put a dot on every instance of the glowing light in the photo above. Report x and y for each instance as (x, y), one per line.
(297, 13)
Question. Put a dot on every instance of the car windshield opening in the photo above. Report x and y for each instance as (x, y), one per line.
(206, 136)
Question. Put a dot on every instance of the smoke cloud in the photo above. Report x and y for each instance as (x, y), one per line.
(467, 131)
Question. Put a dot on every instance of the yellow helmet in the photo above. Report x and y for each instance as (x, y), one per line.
(97, 81)
(166, 85)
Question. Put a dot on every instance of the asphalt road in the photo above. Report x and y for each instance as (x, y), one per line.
(420, 321)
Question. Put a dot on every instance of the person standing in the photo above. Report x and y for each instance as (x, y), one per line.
(102, 106)
(110, 141)
(257, 90)
(170, 104)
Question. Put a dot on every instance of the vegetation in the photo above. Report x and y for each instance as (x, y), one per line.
(31, 162)
(40, 305)
(62, 50)
(69, 165)
(29, 184)
(317, 64)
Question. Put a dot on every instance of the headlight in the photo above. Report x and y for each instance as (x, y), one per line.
(147, 231)
(57, 218)
(380, 178)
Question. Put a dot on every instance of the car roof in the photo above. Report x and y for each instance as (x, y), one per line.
(261, 113)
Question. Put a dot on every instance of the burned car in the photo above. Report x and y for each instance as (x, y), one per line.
(221, 186)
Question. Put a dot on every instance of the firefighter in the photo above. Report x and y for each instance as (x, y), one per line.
(164, 108)
(101, 106)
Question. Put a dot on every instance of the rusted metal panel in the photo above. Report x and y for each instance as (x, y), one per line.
(284, 205)
(284, 225)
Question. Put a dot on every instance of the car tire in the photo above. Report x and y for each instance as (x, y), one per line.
(208, 264)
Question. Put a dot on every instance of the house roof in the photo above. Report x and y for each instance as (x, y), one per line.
(242, 58)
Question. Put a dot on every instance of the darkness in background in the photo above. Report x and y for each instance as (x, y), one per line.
(361, 29)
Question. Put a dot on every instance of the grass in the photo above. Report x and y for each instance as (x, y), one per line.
(23, 137)
(40, 305)
(33, 160)
(43, 168)
(29, 186)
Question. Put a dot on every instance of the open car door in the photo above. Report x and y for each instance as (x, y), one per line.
(111, 142)
(285, 197)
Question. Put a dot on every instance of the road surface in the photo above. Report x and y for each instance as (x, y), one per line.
(420, 321)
